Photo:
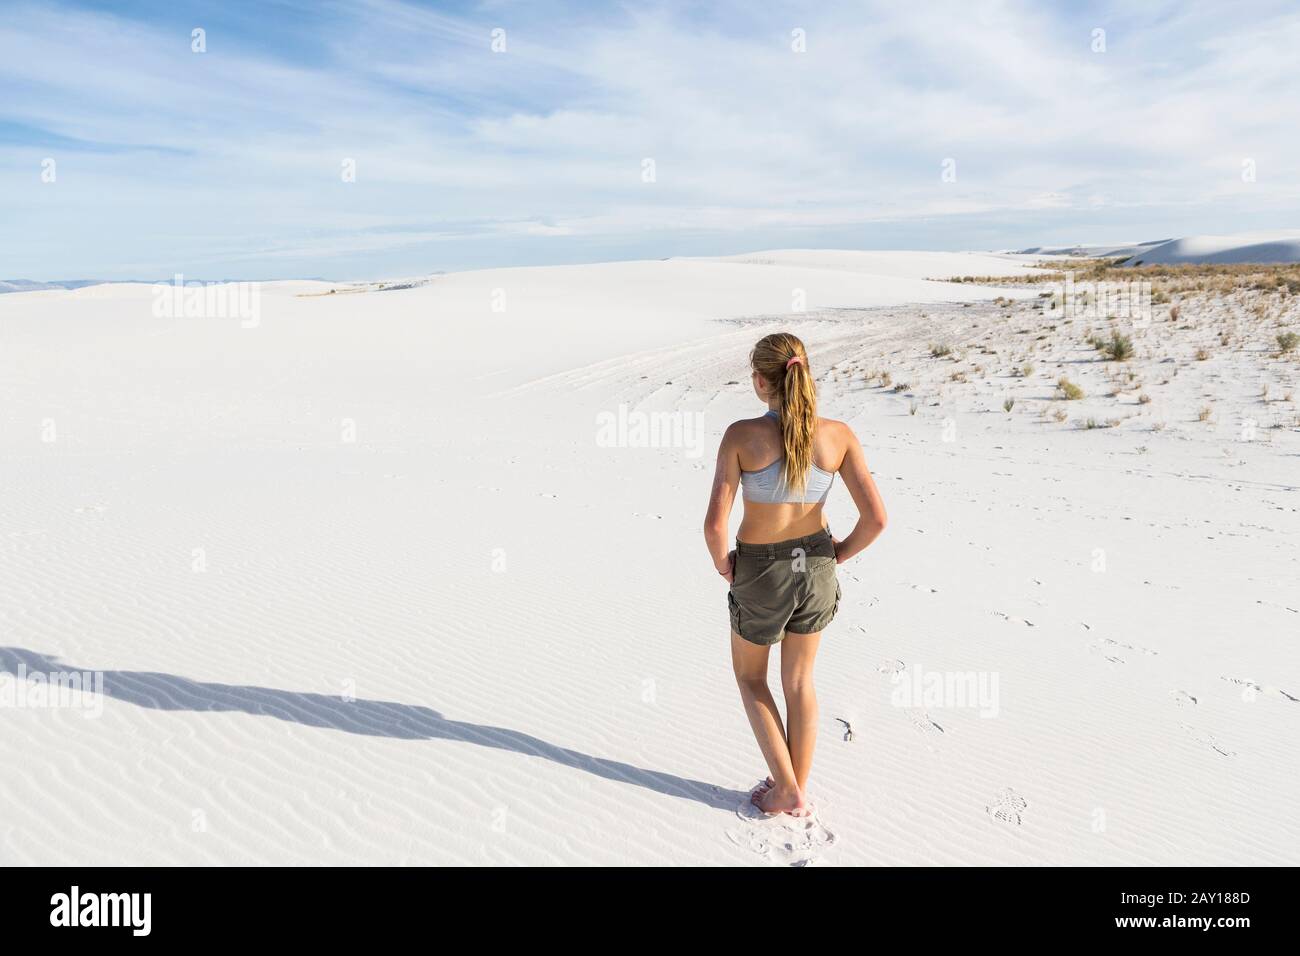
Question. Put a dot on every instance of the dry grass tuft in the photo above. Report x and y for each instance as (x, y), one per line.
(1068, 390)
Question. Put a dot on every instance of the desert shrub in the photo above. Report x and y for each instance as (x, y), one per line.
(1119, 348)
(1068, 390)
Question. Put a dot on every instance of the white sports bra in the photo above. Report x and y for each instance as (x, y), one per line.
(767, 485)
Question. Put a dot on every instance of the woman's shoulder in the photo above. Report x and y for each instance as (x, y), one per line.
(742, 425)
(745, 430)
(835, 438)
(833, 427)
(829, 427)
(763, 419)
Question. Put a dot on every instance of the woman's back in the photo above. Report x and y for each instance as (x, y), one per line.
(789, 512)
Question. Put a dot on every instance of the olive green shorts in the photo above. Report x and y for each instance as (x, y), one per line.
(785, 586)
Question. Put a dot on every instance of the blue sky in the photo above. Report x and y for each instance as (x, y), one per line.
(228, 163)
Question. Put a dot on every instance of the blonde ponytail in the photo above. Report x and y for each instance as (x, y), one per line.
(782, 361)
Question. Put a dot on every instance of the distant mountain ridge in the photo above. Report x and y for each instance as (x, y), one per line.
(27, 285)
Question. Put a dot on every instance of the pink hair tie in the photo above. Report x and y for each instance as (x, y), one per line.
(794, 360)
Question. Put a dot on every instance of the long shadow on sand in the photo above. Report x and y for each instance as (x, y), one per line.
(371, 718)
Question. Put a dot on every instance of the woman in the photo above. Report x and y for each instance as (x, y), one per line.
(782, 572)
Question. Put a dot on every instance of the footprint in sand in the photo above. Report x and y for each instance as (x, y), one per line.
(1007, 807)
(1207, 739)
(1129, 647)
(782, 840)
(1250, 688)
(1012, 620)
(1096, 649)
(1182, 698)
(892, 668)
(1284, 607)
(1106, 643)
(924, 723)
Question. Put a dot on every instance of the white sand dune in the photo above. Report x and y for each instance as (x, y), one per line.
(1113, 251)
(1266, 248)
(1274, 247)
(365, 587)
(892, 264)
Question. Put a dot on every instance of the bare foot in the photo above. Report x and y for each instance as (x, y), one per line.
(773, 800)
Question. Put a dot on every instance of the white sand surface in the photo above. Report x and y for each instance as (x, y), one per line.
(366, 587)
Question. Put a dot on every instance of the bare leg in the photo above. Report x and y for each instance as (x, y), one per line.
(750, 664)
(798, 652)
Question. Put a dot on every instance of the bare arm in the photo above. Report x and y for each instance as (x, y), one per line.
(726, 481)
(871, 508)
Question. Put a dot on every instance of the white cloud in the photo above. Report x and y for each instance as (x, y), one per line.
(544, 143)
